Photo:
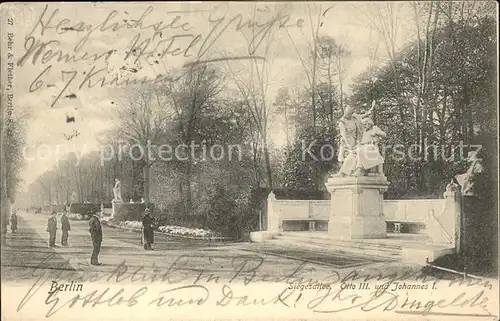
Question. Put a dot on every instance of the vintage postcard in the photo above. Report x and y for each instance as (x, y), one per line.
(249, 160)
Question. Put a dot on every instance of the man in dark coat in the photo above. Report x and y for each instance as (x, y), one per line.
(52, 229)
(65, 227)
(95, 229)
(13, 222)
(147, 230)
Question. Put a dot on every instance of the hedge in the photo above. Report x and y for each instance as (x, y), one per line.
(84, 208)
(131, 211)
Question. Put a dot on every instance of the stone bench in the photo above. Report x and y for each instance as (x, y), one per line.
(312, 222)
(401, 225)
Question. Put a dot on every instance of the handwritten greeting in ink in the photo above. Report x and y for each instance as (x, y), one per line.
(148, 41)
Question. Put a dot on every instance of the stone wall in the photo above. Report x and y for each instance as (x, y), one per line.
(411, 210)
(441, 217)
(406, 210)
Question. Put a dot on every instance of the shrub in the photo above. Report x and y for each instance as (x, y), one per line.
(234, 212)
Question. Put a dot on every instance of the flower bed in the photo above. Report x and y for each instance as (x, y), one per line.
(75, 217)
(179, 230)
(172, 230)
(105, 219)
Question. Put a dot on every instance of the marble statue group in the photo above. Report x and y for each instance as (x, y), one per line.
(359, 153)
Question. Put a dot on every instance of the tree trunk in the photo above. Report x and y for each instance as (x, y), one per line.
(181, 193)
(287, 125)
(340, 83)
(427, 68)
(147, 171)
(313, 86)
(79, 186)
(189, 195)
(442, 123)
(268, 163)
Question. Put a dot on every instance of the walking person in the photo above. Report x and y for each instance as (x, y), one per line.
(95, 229)
(13, 222)
(147, 230)
(52, 229)
(65, 227)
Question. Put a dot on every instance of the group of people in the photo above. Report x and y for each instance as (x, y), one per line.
(95, 229)
(52, 229)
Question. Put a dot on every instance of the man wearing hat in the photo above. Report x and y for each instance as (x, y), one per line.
(95, 230)
(52, 229)
(147, 230)
(65, 227)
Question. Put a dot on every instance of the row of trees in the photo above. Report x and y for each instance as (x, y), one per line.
(438, 89)
(12, 138)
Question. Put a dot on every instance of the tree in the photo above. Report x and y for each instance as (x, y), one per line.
(310, 59)
(253, 91)
(282, 104)
(331, 61)
(141, 121)
(190, 97)
(383, 18)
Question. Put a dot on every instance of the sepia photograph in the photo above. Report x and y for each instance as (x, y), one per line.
(249, 160)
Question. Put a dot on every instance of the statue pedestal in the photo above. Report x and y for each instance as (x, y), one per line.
(356, 210)
(115, 204)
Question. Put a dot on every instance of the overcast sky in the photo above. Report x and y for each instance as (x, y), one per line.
(93, 107)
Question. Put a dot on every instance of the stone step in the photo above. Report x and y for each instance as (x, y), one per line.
(327, 239)
(401, 246)
(368, 249)
(414, 237)
(392, 240)
(395, 255)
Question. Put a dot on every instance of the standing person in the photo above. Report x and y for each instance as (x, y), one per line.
(147, 230)
(13, 222)
(65, 227)
(52, 229)
(96, 235)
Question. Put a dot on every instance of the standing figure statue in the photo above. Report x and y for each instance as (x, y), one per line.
(117, 190)
(358, 150)
(466, 180)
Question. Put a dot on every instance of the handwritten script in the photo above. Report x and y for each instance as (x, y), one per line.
(183, 286)
(148, 41)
